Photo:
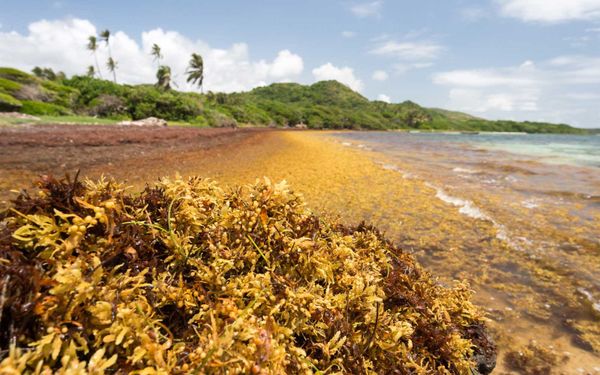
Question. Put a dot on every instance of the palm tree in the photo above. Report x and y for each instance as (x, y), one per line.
(91, 72)
(163, 76)
(112, 67)
(105, 35)
(195, 70)
(93, 46)
(157, 54)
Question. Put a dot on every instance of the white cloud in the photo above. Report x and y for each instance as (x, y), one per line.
(368, 9)
(380, 75)
(501, 89)
(578, 41)
(410, 54)
(348, 34)
(473, 100)
(286, 64)
(513, 77)
(550, 11)
(49, 43)
(384, 98)
(408, 50)
(60, 44)
(402, 68)
(556, 90)
(344, 75)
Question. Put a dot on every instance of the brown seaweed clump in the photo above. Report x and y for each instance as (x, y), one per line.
(187, 277)
(534, 359)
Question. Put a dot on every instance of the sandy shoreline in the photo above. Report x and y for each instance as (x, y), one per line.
(133, 154)
(335, 180)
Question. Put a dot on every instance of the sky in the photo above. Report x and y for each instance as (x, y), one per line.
(536, 60)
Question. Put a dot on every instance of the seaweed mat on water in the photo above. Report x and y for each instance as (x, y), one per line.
(188, 277)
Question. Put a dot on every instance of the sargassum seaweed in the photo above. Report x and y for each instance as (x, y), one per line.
(189, 277)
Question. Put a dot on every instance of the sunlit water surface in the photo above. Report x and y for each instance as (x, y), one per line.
(541, 193)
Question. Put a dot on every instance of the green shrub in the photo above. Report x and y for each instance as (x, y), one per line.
(91, 88)
(16, 75)
(177, 106)
(43, 109)
(315, 122)
(217, 119)
(107, 106)
(8, 86)
(8, 103)
(61, 95)
(200, 121)
(145, 101)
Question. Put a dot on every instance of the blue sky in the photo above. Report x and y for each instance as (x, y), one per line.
(511, 59)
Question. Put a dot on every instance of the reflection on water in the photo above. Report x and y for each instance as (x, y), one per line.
(541, 194)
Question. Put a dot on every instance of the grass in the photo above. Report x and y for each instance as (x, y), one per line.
(9, 121)
(86, 120)
(186, 124)
(77, 120)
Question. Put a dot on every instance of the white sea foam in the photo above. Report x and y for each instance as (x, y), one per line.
(595, 304)
(395, 168)
(466, 207)
(464, 170)
(390, 167)
(530, 203)
(347, 144)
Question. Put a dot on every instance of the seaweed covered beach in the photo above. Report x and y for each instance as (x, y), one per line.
(539, 315)
(188, 277)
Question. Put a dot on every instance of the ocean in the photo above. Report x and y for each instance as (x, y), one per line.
(500, 176)
(537, 272)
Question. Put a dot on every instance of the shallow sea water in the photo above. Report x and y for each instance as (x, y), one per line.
(541, 196)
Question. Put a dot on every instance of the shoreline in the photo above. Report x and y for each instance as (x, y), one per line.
(134, 154)
(337, 181)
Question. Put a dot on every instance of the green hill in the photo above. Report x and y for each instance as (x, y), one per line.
(325, 104)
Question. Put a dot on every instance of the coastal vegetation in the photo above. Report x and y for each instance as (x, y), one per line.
(187, 276)
(323, 105)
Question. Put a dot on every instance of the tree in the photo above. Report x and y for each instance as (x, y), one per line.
(38, 72)
(91, 72)
(157, 54)
(112, 67)
(195, 70)
(163, 76)
(105, 35)
(60, 76)
(48, 73)
(93, 47)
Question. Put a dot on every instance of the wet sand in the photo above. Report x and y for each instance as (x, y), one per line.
(337, 180)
